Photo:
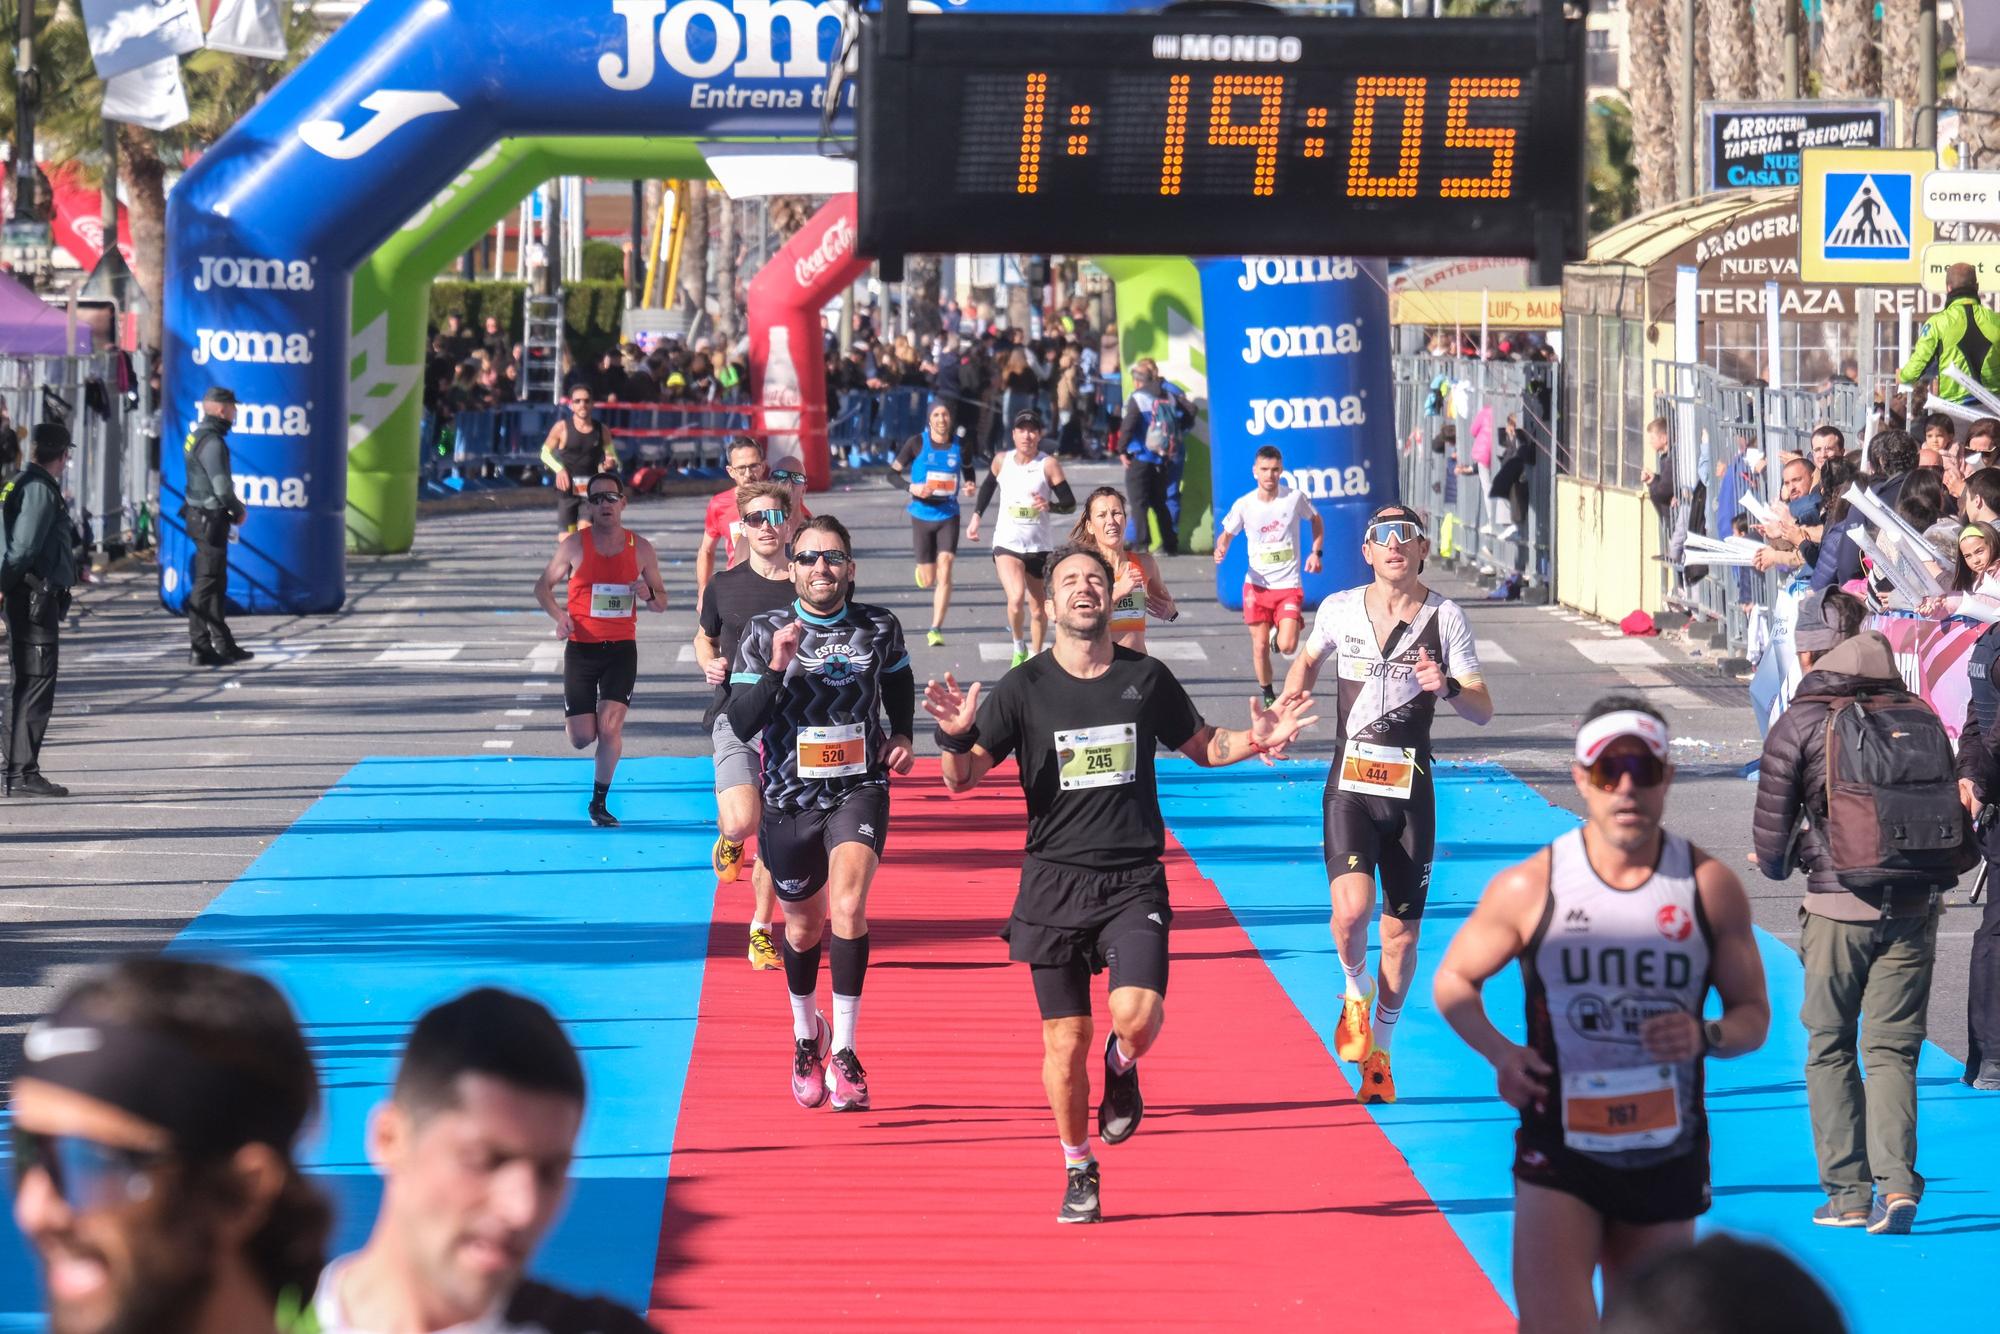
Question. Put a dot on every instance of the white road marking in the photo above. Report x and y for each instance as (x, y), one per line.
(1620, 652)
(520, 713)
(499, 745)
(1490, 652)
(410, 655)
(544, 657)
(686, 654)
(1166, 650)
(507, 727)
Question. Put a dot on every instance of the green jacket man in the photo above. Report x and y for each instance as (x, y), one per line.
(1960, 345)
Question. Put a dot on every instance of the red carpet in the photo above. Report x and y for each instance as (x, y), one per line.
(1256, 1192)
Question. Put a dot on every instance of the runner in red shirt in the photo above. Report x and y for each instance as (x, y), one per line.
(721, 526)
(609, 571)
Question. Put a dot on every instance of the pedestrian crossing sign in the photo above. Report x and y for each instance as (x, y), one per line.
(1858, 216)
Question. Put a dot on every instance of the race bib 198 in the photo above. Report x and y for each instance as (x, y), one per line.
(612, 601)
(1611, 1111)
(1283, 555)
(1098, 756)
(840, 751)
(1024, 513)
(1378, 771)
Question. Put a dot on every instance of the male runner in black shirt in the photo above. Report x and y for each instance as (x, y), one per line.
(1084, 721)
(814, 679)
(731, 598)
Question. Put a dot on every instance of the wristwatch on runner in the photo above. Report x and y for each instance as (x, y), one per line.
(1711, 1035)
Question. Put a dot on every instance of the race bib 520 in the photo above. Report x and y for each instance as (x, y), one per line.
(840, 751)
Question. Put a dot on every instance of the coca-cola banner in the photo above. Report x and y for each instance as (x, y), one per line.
(788, 341)
(1933, 657)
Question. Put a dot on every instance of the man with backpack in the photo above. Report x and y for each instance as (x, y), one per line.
(1156, 416)
(1868, 768)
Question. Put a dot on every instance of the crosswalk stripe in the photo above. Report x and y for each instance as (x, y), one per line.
(408, 655)
(1619, 652)
(1490, 652)
(499, 745)
(1166, 650)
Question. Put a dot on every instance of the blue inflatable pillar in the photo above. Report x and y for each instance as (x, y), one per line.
(1298, 358)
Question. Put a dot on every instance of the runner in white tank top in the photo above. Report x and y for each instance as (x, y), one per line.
(1031, 487)
(1620, 929)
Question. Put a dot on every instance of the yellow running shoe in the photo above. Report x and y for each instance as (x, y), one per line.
(764, 952)
(726, 858)
(1377, 1083)
(1352, 1036)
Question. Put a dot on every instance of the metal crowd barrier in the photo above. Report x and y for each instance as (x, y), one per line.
(1439, 401)
(113, 479)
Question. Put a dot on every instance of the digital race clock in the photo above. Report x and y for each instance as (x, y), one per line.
(1220, 134)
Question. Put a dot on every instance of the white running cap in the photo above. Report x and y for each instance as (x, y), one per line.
(1598, 733)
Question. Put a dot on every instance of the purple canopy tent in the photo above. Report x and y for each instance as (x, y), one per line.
(29, 327)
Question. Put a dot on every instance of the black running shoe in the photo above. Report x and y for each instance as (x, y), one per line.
(1119, 1113)
(601, 816)
(1080, 1196)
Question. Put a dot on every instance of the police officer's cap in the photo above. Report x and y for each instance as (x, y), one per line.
(49, 437)
(221, 396)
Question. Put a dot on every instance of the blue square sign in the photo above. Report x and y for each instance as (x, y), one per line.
(1868, 215)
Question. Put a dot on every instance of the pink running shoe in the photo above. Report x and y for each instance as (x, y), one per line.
(848, 1082)
(809, 1077)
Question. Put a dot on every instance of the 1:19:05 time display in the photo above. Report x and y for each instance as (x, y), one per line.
(1354, 136)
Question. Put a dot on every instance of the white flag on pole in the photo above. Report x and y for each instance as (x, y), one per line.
(248, 28)
(151, 95)
(126, 34)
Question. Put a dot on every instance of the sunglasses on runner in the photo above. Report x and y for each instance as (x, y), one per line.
(606, 497)
(835, 560)
(1399, 531)
(764, 519)
(1643, 767)
(85, 1174)
(788, 477)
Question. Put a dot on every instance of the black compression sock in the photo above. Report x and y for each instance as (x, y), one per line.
(802, 969)
(850, 964)
(598, 792)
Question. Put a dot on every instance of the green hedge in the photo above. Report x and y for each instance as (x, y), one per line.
(592, 310)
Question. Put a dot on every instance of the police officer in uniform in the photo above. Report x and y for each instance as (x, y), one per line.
(211, 507)
(36, 572)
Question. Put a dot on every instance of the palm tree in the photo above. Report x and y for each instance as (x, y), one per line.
(1677, 20)
(694, 253)
(1768, 17)
(221, 89)
(1614, 186)
(1899, 59)
(1651, 95)
(789, 214)
(1848, 66)
(1732, 49)
(1978, 96)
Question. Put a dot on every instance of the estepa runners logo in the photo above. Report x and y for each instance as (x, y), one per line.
(833, 247)
(836, 663)
(1675, 922)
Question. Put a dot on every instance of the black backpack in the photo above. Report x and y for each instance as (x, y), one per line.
(1893, 819)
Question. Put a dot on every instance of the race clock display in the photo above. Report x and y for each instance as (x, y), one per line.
(1222, 134)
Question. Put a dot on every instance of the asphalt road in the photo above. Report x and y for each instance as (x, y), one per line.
(183, 775)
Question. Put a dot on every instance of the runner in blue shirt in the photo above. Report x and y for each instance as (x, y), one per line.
(938, 478)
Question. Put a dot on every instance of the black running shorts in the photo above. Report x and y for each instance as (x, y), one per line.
(569, 511)
(1371, 834)
(797, 846)
(1668, 1192)
(1036, 563)
(596, 674)
(929, 537)
(1069, 923)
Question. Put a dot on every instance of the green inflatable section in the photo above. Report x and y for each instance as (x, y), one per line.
(1159, 316)
(1159, 303)
(391, 308)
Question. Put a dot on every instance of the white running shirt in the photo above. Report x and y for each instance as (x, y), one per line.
(1272, 527)
(1380, 701)
(1020, 527)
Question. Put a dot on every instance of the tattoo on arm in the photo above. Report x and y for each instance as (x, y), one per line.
(1221, 745)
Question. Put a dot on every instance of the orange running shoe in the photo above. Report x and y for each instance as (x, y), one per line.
(1353, 1036)
(726, 857)
(1377, 1083)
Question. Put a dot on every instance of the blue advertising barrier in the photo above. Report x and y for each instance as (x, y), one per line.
(1298, 358)
(264, 232)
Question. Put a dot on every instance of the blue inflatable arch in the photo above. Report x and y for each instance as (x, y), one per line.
(264, 232)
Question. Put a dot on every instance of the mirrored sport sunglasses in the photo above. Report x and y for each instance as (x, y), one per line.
(87, 1175)
(1398, 531)
(765, 519)
(606, 497)
(788, 477)
(1645, 769)
(834, 559)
